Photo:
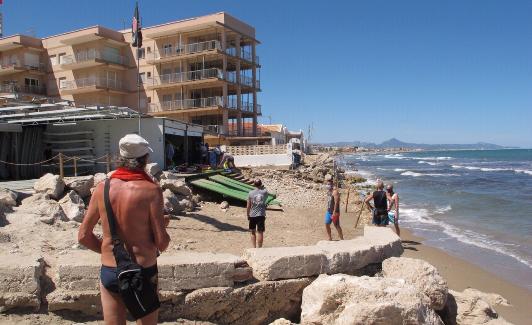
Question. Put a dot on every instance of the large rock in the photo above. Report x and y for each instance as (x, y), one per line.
(8, 198)
(421, 275)
(258, 303)
(47, 210)
(73, 206)
(346, 256)
(468, 308)
(80, 184)
(188, 271)
(171, 202)
(20, 281)
(186, 205)
(273, 263)
(343, 299)
(50, 184)
(99, 177)
(154, 170)
(177, 186)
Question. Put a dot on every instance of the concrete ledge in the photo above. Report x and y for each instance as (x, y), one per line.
(345, 256)
(20, 281)
(88, 302)
(80, 271)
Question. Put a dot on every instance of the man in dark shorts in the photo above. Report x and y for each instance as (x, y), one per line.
(332, 215)
(137, 203)
(256, 212)
(380, 208)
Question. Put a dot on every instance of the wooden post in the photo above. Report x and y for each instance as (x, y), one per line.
(347, 199)
(359, 213)
(61, 171)
(108, 163)
(75, 166)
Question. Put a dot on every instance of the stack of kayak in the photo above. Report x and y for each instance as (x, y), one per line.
(224, 183)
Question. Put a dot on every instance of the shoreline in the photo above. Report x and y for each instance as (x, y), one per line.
(461, 274)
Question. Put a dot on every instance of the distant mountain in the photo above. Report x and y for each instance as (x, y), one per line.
(396, 143)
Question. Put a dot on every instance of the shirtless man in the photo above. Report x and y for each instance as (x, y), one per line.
(332, 215)
(138, 205)
(393, 207)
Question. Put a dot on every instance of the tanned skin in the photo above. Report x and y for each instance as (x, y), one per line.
(138, 207)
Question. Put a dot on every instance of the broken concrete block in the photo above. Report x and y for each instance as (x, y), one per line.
(344, 299)
(20, 281)
(73, 206)
(273, 263)
(88, 301)
(254, 304)
(50, 184)
(188, 271)
(385, 241)
(348, 256)
(78, 271)
(421, 275)
(177, 186)
(8, 198)
(80, 184)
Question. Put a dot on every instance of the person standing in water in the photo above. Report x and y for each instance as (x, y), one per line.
(393, 207)
(332, 215)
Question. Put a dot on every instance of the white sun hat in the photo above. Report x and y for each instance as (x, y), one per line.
(133, 146)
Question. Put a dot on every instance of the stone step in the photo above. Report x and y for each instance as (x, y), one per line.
(20, 277)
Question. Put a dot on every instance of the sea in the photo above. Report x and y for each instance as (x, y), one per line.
(473, 204)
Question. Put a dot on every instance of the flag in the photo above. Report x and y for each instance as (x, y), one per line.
(135, 28)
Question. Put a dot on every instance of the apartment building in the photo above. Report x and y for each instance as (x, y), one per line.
(202, 70)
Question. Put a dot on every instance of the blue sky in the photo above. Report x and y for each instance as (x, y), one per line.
(422, 71)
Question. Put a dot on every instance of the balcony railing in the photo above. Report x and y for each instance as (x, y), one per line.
(245, 132)
(181, 77)
(214, 129)
(175, 105)
(185, 49)
(26, 89)
(94, 54)
(23, 65)
(91, 82)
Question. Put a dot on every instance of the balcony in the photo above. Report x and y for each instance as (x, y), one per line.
(15, 67)
(177, 105)
(245, 132)
(214, 129)
(91, 84)
(93, 58)
(25, 89)
(169, 54)
(170, 80)
(248, 82)
(244, 55)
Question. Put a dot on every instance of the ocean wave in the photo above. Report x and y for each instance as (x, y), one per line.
(422, 216)
(395, 156)
(428, 163)
(399, 170)
(444, 209)
(414, 174)
(432, 158)
(493, 169)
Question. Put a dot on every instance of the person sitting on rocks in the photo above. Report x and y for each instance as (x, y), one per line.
(256, 212)
(380, 209)
(332, 215)
(135, 205)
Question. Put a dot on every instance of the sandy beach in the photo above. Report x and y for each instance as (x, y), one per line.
(299, 222)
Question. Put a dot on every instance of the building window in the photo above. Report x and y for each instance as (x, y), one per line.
(31, 82)
(142, 53)
(149, 99)
(148, 74)
(61, 57)
(62, 83)
(167, 49)
(53, 59)
(148, 50)
(167, 98)
(142, 77)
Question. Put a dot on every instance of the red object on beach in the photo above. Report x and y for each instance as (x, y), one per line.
(126, 175)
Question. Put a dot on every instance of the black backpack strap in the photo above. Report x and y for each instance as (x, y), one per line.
(110, 214)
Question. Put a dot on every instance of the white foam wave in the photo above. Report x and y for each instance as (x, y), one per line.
(422, 216)
(493, 169)
(427, 162)
(444, 209)
(432, 158)
(395, 156)
(399, 170)
(414, 174)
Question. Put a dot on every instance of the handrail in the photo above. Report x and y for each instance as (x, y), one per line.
(18, 64)
(180, 77)
(90, 82)
(186, 104)
(39, 90)
(186, 49)
(93, 54)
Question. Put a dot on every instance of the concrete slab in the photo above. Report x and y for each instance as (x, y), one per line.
(20, 281)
